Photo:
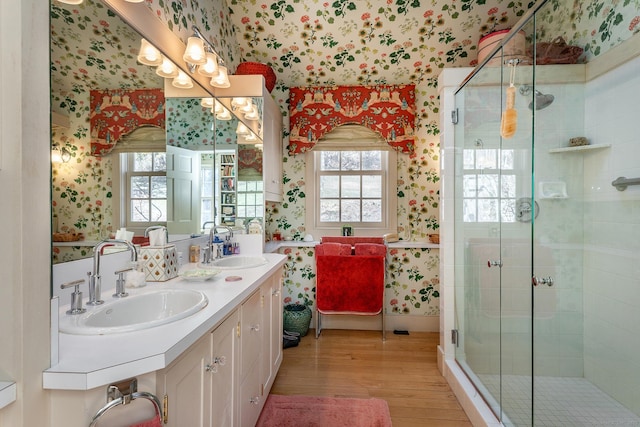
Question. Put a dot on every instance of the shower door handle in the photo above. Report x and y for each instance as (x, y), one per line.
(494, 263)
(535, 281)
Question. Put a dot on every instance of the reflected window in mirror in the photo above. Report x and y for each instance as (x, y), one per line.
(206, 194)
(250, 200)
(146, 196)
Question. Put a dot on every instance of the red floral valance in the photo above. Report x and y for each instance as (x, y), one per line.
(117, 112)
(388, 110)
(250, 158)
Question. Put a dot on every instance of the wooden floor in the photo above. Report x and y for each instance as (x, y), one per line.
(403, 371)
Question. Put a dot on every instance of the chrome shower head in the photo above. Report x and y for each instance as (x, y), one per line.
(540, 100)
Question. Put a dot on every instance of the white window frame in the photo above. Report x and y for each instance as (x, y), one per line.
(389, 223)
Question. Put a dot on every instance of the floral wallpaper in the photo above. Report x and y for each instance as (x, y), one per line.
(311, 43)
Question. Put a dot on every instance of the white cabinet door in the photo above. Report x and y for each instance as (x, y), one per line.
(276, 325)
(251, 333)
(224, 372)
(272, 150)
(187, 387)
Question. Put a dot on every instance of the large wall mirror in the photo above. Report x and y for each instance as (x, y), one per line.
(140, 180)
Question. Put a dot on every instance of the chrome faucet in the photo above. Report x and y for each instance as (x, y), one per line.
(204, 224)
(95, 280)
(219, 248)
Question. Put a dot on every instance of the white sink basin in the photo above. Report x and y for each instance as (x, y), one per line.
(135, 312)
(239, 262)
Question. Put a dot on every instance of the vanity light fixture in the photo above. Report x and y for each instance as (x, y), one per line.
(60, 155)
(210, 68)
(183, 81)
(239, 101)
(253, 114)
(224, 115)
(217, 108)
(242, 129)
(194, 53)
(148, 54)
(167, 69)
(207, 103)
(222, 79)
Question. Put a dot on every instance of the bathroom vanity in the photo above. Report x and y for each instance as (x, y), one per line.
(213, 368)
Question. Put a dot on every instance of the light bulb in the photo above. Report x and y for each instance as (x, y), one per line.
(239, 101)
(242, 129)
(210, 68)
(148, 54)
(222, 79)
(223, 115)
(194, 53)
(218, 108)
(182, 81)
(167, 69)
(206, 102)
(253, 114)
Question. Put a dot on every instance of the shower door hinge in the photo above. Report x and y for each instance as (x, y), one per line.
(454, 337)
(454, 116)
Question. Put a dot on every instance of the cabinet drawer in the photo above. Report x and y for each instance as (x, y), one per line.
(251, 400)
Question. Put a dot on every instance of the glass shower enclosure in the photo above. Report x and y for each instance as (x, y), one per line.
(547, 293)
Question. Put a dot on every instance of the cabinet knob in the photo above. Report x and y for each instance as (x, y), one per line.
(220, 360)
(213, 368)
(254, 400)
(256, 328)
(276, 293)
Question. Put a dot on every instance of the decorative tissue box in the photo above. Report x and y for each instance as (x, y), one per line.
(160, 263)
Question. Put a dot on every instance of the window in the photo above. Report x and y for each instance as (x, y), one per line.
(352, 187)
(250, 201)
(146, 188)
(206, 190)
(489, 186)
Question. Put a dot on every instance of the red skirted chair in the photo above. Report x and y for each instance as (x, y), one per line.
(350, 279)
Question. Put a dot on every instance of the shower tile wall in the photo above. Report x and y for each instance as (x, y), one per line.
(612, 236)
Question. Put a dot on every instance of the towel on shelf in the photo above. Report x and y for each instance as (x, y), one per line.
(372, 249)
(333, 249)
(153, 422)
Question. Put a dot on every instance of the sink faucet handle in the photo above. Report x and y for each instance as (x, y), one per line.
(120, 292)
(76, 296)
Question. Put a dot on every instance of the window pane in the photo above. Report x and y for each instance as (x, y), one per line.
(372, 210)
(207, 182)
(507, 159)
(242, 198)
(139, 187)
(469, 186)
(508, 186)
(468, 159)
(350, 161)
(159, 187)
(488, 210)
(329, 160)
(142, 162)
(350, 210)
(205, 210)
(350, 186)
(486, 159)
(372, 160)
(469, 211)
(508, 210)
(371, 186)
(329, 210)
(242, 211)
(140, 210)
(259, 199)
(242, 186)
(251, 211)
(488, 185)
(159, 210)
(259, 185)
(251, 198)
(329, 186)
(159, 162)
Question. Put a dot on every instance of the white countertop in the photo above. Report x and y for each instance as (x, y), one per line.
(274, 246)
(86, 362)
(7, 393)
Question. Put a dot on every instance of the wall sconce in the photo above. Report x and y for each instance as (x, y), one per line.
(148, 54)
(60, 155)
(209, 68)
(222, 79)
(194, 53)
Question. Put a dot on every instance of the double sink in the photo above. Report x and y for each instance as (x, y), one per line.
(150, 308)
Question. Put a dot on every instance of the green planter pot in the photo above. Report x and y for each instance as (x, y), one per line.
(296, 318)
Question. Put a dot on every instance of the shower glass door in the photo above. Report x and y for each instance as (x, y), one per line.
(493, 241)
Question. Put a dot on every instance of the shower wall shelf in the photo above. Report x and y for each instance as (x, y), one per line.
(580, 148)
